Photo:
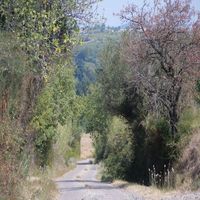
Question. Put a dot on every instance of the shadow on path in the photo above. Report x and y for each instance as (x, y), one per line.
(91, 187)
(78, 181)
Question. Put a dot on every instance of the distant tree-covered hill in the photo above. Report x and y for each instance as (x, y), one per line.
(87, 55)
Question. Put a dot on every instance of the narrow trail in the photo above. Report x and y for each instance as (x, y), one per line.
(82, 184)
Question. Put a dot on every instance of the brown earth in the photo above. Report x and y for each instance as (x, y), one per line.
(86, 147)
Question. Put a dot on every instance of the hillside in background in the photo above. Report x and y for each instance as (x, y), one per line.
(87, 56)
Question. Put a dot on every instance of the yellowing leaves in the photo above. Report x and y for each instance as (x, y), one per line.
(58, 50)
(55, 42)
(66, 39)
(55, 29)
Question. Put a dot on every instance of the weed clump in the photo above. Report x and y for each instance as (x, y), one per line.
(188, 166)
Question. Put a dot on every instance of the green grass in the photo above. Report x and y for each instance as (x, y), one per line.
(190, 120)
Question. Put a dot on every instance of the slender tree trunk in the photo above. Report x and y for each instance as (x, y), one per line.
(173, 112)
(31, 88)
(173, 121)
(4, 104)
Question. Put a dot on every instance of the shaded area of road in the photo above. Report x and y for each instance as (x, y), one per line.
(81, 184)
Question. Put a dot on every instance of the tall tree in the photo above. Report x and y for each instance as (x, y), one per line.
(47, 31)
(162, 46)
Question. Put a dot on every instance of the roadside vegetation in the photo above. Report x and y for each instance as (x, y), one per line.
(136, 90)
(39, 108)
(143, 111)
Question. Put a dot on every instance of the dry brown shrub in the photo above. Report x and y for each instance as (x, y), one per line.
(189, 164)
(10, 165)
(14, 183)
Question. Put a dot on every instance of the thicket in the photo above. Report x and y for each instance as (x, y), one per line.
(55, 106)
(144, 78)
(12, 157)
(188, 162)
(119, 139)
(37, 89)
(144, 138)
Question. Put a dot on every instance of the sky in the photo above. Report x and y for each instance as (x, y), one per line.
(108, 7)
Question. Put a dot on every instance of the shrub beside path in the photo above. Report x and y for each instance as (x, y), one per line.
(86, 147)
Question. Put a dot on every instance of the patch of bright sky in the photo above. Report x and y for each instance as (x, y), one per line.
(109, 7)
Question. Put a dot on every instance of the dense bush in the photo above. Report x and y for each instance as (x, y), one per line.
(12, 164)
(153, 146)
(37, 89)
(198, 91)
(120, 149)
(55, 105)
(14, 159)
(160, 148)
(188, 165)
(66, 148)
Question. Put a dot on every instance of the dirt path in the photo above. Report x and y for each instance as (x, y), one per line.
(153, 193)
(81, 184)
(86, 147)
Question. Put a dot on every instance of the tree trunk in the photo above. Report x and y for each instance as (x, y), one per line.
(173, 109)
(4, 104)
(173, 120)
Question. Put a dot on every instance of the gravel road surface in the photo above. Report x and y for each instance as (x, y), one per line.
(184, 196)
(81, 184)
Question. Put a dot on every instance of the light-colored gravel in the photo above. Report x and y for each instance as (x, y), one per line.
(152, 193)
(184, 196)
(81, 184)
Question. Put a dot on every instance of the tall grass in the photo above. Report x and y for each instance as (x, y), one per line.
(188, 166)
(11, 164)
(165, 179)
(40, 188)
(66, 149)
(190, 120)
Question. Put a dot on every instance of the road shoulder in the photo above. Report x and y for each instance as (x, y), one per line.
(152, 193)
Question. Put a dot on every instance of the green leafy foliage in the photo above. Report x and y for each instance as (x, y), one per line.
(55, 105)
(198, 91)
(111, 98)
(12, 167)
(87, 56)
(67, 147)
(160, 148)
(45, 30)
(13, 67)
(96, 121)
(119, 97)
(120, 149)
(37, 84)
(137, 140)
